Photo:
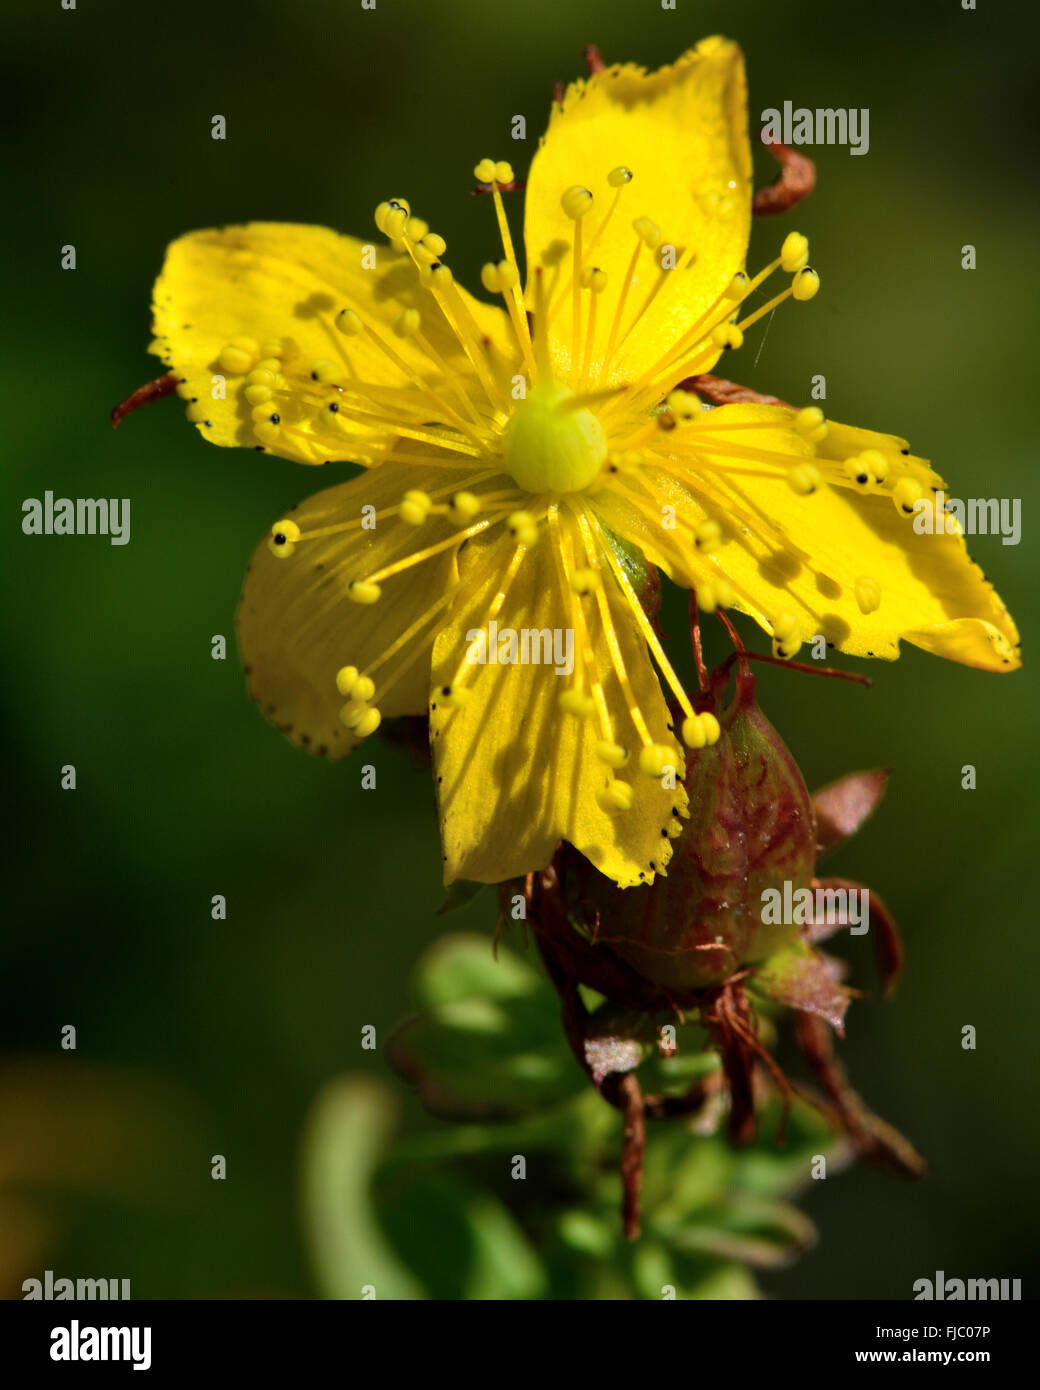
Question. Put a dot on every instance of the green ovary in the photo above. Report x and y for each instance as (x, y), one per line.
(550, 448)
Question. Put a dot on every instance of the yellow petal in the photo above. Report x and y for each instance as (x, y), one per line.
(515, 775)
(682, 131)
(271, 284)
(803, 560)
(297, 626)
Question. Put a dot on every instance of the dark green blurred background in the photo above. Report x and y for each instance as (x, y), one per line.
(199, 1037)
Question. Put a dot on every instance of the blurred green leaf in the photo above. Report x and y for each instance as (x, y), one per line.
(351, 1122)
(489, 1042)
(460, 965)
(462, 1241)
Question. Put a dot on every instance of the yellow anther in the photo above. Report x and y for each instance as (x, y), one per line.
(432, 242)
(785, 625)
(585, 581)
(615, 796)
(868, 594)
(708, 536)
(879, 466)
(423, 255)
(594, 279)
(707, 597)
(454, 696)
(346, 679)
(794, 254)
(329, 373)
(576, 702)
(496, 279)
(523, 527)
(261, 376)
(280, 548)
(415, 507)
(810, 424)
(724, 594)
(737, 287)
(701, 730)
(236, 361)
(363, 591)
(485, 171)
(352, 711)
(784, 650)
(348, 322)
(256, 395)
(271, 351)
(368, 723)
(576, 202)
(805, 284)
(287, 530)
(905, 493)
(858, 469)
(436, 276)
(416, 228)
(617, 178)
(611, 753)
(395, 219)
(655, 759)
(380, 214)
(269, 364)
(262, 414)
(727, 335)
(364, 688)
(407, 323)
(464, 507)
(803, 479)
(648, 232)
(504, 172)
(712, 728)
(684, 405)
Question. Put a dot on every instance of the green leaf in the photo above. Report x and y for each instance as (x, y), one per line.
(461, 965)
(350, 1124)
(463, 1241)
(484, 1057)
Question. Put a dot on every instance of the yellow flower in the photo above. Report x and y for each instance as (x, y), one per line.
(518, 457)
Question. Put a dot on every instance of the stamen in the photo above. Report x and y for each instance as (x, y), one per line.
(407, 323)
(648, 234)
(576, 203)
(419, 556)
(492, 611)
(595, 281)
(613, 645)
(698, 730)
(503, 173)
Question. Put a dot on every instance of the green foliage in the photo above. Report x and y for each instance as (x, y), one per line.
(446, 1213)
